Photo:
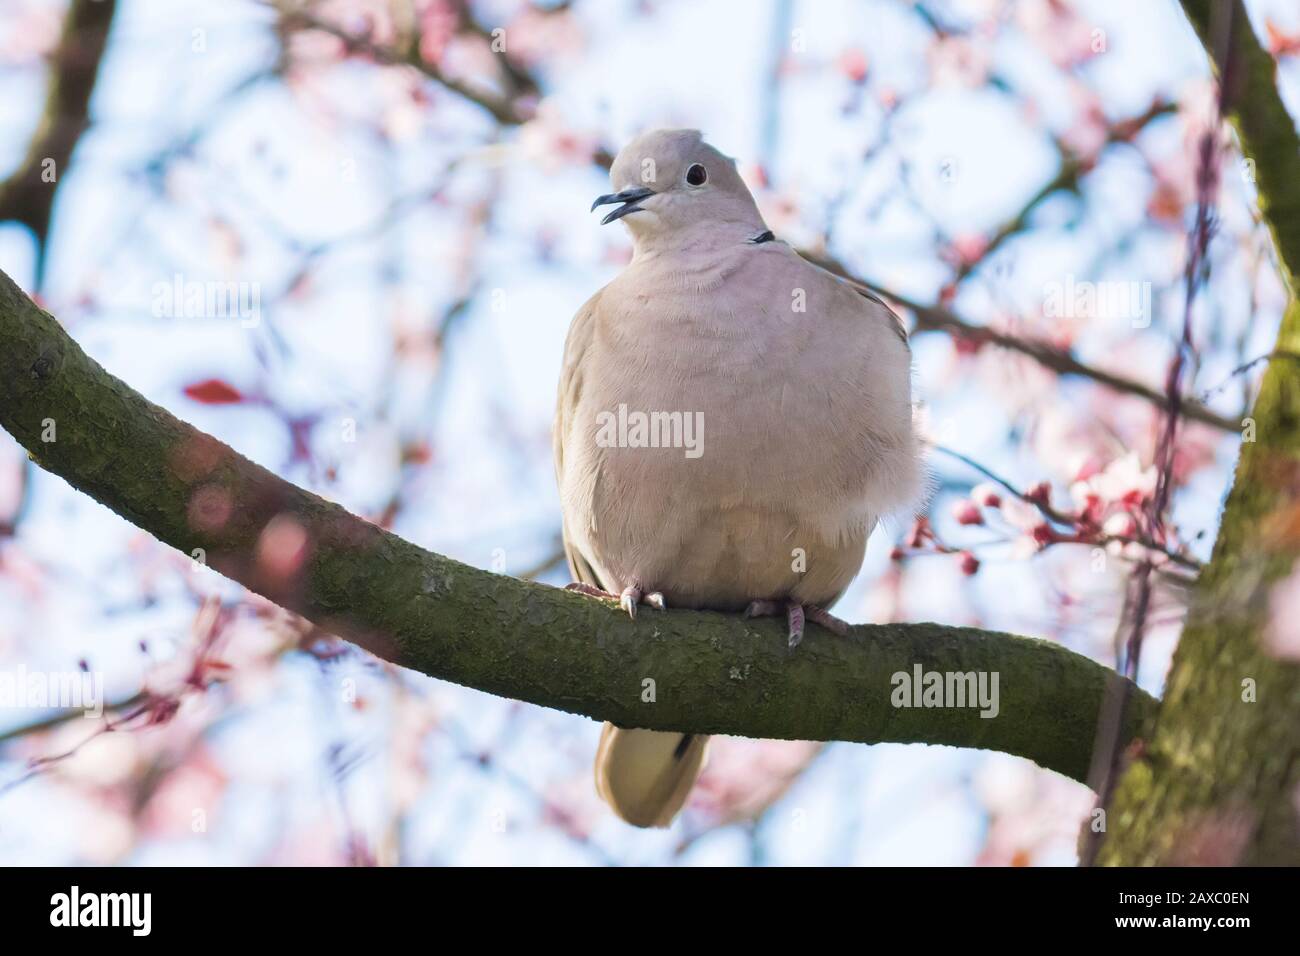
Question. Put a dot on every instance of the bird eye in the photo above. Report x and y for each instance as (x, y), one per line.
(696, 175)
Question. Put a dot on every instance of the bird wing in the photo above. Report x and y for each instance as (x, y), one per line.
(897, 324)
(576, 345)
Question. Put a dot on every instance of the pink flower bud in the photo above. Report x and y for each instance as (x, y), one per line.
(1040, 494)
(986, 495)
(967, 512)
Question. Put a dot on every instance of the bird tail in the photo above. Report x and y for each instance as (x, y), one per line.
(646, 775)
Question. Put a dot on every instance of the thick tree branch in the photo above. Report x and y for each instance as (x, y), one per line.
(712, 673)
(27, 196)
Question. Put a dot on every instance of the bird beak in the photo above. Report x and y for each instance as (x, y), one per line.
(628, 197)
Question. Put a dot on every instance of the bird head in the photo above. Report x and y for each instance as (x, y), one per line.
(670, 180)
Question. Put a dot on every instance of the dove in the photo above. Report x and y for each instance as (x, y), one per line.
(732, 422)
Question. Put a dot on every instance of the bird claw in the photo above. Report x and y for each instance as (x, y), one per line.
(627, 599)
(795, 616)
(633, 595)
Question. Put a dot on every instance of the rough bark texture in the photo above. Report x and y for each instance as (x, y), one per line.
(1220, 780)
(712, 673)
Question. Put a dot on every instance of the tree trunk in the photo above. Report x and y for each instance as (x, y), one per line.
(1219, 782)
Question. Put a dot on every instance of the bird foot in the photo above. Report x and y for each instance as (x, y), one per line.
(795, 616)
(627, 599)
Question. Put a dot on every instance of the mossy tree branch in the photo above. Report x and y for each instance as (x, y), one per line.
(712, 673)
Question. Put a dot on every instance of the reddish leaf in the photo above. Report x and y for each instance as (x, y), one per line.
(214, 391)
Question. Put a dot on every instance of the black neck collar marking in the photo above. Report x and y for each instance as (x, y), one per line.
(765, 236)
